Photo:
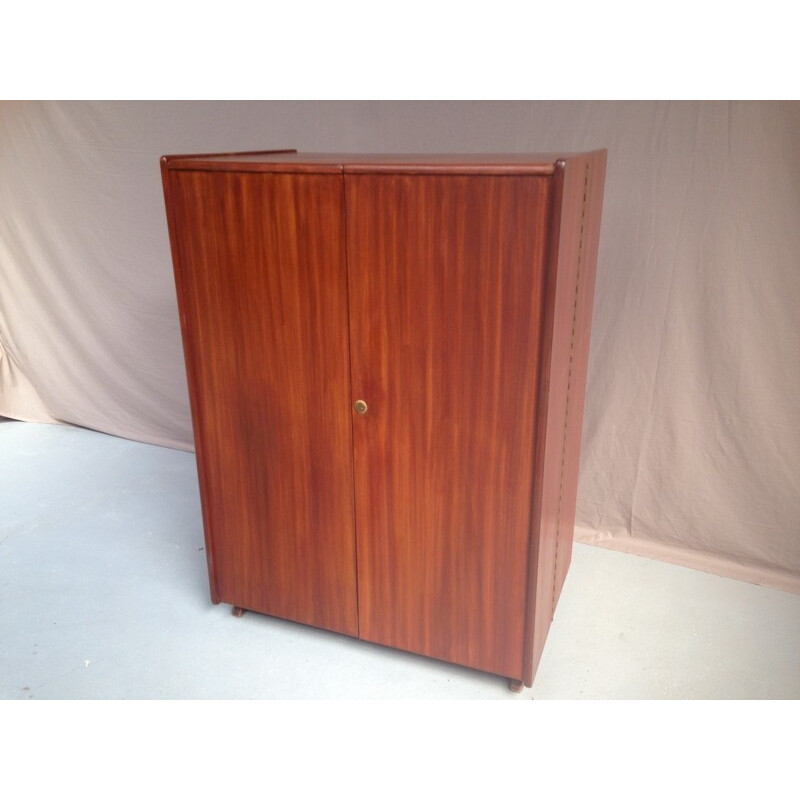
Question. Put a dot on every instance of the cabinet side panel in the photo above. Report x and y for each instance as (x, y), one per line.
(593, 169)
(263, 298)
(571, 279)
(445, 277)
(174, 235)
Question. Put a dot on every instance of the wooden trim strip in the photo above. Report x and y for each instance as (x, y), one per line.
(450, 169)
(465, 164)
(545, 353)
(194, 156)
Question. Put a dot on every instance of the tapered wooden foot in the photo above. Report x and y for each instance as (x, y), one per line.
(237, 611)
(515, 686)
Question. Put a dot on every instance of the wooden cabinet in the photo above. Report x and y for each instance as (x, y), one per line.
(387, 360)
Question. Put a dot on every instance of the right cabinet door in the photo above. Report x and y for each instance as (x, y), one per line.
(445, 281)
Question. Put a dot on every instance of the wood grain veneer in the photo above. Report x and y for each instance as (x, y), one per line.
(444, 287)
(566, 323)
(450, 293)
(291, 161)
(262, 285)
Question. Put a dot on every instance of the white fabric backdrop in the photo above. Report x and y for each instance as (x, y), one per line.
(691, 447)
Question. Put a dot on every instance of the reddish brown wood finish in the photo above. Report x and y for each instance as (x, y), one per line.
(566, 324)
(289, 161)
(444, 305)
(453, 295)
(263, 298)
(177, 161)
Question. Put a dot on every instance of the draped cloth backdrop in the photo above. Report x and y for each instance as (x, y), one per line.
(691, 441)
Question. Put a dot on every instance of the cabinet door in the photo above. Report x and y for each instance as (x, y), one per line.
(263, 293)
(445, 283)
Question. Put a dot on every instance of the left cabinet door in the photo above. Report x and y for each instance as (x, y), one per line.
(262, 288)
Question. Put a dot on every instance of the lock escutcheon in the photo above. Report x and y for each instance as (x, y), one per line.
(361, 407)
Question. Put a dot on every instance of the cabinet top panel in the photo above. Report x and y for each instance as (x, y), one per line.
(292, 161)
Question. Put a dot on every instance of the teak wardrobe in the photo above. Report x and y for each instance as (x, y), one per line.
(386, 359)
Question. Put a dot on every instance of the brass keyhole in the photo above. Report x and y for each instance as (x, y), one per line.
(361, 407)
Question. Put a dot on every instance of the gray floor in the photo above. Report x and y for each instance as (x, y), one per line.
(103, 594)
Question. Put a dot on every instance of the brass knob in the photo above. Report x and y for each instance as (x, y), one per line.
(361, 407)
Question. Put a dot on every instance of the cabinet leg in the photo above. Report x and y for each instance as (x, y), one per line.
(515, 686)
(237, 611)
